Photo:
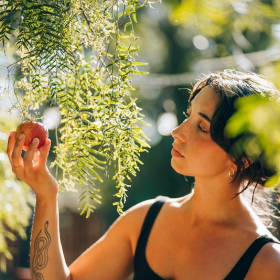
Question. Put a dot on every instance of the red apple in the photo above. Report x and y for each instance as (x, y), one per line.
(32, 130)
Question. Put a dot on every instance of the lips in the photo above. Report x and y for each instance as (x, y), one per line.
(175, 152)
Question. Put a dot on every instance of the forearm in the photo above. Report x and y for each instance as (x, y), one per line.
(46, 256)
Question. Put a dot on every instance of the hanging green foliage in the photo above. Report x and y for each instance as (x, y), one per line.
(226, 18)
(79, 55)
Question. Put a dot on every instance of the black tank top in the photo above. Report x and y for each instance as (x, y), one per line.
(142, 270)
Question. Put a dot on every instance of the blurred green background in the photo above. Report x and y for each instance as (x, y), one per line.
(180, 40)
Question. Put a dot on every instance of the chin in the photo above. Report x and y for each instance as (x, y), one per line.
(182, 169)
(178, 168)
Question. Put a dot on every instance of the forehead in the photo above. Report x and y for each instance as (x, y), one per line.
(205, 100)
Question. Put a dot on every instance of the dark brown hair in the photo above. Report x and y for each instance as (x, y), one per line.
(231, 85)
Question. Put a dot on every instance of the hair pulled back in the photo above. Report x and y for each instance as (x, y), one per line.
(231, 85)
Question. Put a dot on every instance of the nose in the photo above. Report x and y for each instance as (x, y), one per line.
(177, 133)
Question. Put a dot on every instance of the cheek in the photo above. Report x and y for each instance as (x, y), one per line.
(204, 154)
(202, 158)
(210, 153)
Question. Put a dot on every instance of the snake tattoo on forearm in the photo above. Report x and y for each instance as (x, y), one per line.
(40, 257)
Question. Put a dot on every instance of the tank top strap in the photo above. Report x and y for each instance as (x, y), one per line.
(242, 266)
(142, 269)
(151, 217)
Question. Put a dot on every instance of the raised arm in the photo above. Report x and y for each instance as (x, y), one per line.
(46, 256)
(111, 257)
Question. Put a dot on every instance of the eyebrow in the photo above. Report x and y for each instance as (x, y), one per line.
(205, 117)
(201, 114)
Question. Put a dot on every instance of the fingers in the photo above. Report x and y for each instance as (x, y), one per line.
(10, 145)
(44, 153)
(36, 157)
(14, 150)
(30, 154)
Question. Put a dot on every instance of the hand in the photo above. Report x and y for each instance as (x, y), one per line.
(32, 168)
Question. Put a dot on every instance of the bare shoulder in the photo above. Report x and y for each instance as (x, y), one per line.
(266, 264)
(137, 213)
(140, 208)
(132, 220)
(116, 246)
(129, 225)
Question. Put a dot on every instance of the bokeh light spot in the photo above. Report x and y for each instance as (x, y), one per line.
(52, 118)
(200, 42)
(166, 123)
(169, 105)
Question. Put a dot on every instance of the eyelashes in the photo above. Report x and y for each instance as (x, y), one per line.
(198, 126)
(202, 130)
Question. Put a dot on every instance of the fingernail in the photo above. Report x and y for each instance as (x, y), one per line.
(20, 136)
(35, 141)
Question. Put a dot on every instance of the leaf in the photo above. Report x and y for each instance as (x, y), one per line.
(145, 123)
(138, 63)
(84, 209)
(95, 174)
(107, 54)
(134, 17)
(273, 181)
(135, 72)
(127, 25)
(83, 204)
(124, 36)
(99, 116)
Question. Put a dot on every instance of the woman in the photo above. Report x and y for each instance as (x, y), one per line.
(202, 235)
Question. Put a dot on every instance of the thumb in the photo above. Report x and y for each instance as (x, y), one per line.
(44, 153)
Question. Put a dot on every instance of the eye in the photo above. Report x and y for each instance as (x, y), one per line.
(187, 115)
(202, 130)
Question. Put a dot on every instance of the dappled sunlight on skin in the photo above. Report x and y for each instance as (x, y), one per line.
(192, 139)
(172, 50)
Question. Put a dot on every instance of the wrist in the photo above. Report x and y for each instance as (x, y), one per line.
(46, 199)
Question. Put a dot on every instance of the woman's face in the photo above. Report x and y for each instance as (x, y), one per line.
(194, 152)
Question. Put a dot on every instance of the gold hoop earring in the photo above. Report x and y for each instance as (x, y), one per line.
(231, 173)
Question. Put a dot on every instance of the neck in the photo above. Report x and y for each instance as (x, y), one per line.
(215, 202)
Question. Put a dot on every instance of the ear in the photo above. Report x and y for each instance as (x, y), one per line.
(246, 162)
(231, 164)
